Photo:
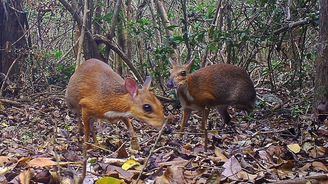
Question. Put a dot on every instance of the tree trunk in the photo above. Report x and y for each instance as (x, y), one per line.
(321, 70)
(12, 39)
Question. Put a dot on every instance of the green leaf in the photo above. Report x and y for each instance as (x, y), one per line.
(58, 54)
(172, 27)
(130, 164)
(109, 180)
(295, 148)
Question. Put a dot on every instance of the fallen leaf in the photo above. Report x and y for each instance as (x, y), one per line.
(5, 170)
(5, 160)
(219, 154)
(25, 177)
(317, 152)
(231, 168)
(173, 174)
(109, 180)
(265, 156)
(118, 172)
(295, 148)
(307, 146)
(274, 150)
(319, 166)
(41, 162)
(246, 176)
(42, 177)
(130, 164)
(306, 167)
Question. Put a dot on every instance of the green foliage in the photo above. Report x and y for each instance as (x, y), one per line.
(106, 18)
(58, 54)
(140, 27)
(297, 111)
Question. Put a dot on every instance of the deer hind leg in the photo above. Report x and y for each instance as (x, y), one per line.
(86, 118)
(206, 112)
(223, 111)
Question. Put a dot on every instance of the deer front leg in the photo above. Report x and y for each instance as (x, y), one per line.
(185, 118)
(206, 112)
(134, 140)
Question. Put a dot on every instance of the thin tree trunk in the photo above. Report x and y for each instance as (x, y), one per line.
(321, 69)
(91, 50)
(185, 28)
(81, 38)
(165, 20)
(117, 10)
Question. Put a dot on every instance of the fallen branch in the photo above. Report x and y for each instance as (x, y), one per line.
(153, 148)
(308, 179)
(7, 75)
(118, 51)
(14, 103)
(292, 25)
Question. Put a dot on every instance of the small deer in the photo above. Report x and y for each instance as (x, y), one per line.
(96, 91)
(219, 85)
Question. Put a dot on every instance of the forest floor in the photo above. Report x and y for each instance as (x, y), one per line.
(280, 141)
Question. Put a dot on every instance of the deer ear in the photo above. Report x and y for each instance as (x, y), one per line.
(147, 83)
(190, 63)
(172, 62)
(132, 87)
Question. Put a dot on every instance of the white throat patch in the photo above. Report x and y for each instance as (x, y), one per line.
(114, 115)
(189, 97)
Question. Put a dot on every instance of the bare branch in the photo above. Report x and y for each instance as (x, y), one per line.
(118, 51)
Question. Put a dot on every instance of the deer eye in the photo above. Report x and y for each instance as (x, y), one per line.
(183, 73)
(147, 108)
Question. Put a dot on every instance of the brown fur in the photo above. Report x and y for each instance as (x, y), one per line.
(220, 85)
(95, 89)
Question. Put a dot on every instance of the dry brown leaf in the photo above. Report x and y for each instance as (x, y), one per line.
(173, 174)
(275, 150)
(4, 160)
(219, 153)
(41, 162)
(306, 167)
(231, 168)
(319, 166)
(23, 161)
(283, 174)
(317, 152)
(25, 177)
(265, 156)
(115, 171)
(246, 176)
(287, 165)
(179, 162)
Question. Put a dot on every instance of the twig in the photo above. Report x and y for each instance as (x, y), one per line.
(152, 149)
(307, 179)
(69, 50)
(164, 99)
(9, 70)
(119, 52)
(78, 62)
(14, 103)
(166, 147)
(99, 147)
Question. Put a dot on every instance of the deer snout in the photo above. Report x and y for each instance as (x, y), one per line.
(170, 84)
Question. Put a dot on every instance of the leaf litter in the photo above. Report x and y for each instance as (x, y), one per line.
(40, 143)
